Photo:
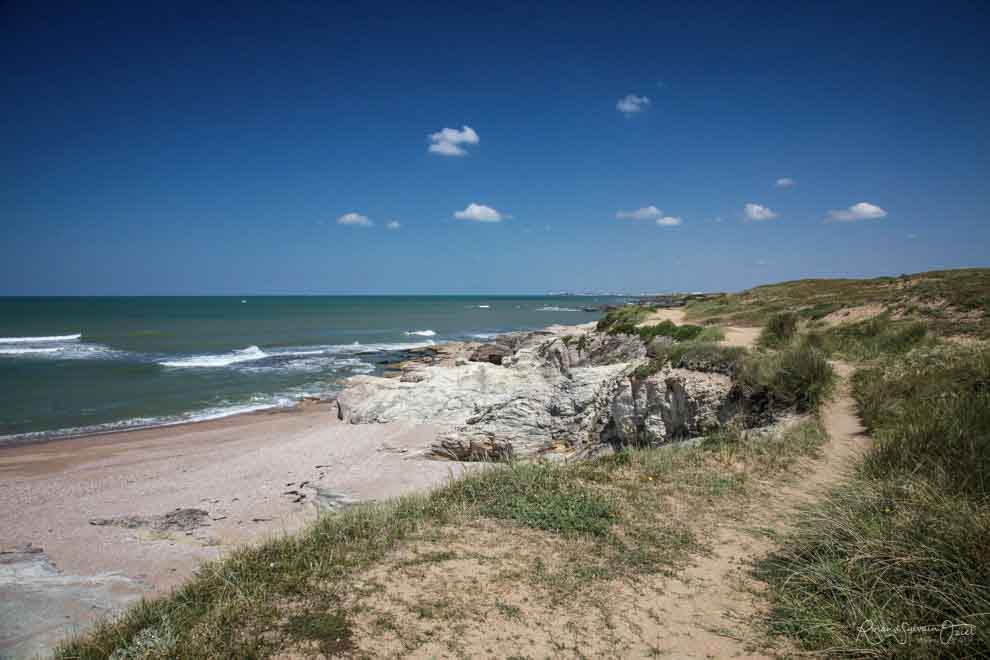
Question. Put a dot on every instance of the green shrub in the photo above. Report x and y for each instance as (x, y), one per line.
(779, 330)
(541, 496)
(669, 329)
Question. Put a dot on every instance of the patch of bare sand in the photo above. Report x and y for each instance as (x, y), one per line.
(743, 337)
(853, 314)
(661, 315)
(477, 591)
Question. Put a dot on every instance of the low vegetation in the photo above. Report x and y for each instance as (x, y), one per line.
(797, 378)
(950, 302)
(873, 338)
(779, 330)
(902, 545)
(630, 320)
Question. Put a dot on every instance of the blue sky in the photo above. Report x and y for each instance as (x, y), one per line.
(183, 149)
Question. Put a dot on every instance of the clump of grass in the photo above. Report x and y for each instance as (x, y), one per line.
(877, 559)
(798, 378)
(538, 496)
(779, 330)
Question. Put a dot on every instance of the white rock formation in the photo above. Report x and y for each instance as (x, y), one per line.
(552, 389)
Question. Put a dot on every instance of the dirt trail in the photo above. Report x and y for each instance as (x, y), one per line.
(710, 605)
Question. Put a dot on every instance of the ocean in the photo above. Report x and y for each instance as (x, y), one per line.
(71, 366)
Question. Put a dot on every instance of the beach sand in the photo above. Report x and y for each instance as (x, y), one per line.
(254, 476)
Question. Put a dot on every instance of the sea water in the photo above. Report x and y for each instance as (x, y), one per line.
(70, 366)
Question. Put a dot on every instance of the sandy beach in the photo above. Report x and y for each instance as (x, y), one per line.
(85, 521)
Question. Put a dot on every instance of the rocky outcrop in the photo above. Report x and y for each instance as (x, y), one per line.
(547, 390)
(669, 405)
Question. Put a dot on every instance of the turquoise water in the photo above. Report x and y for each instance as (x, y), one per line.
(77, 365)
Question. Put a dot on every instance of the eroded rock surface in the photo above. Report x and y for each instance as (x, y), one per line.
(530, 392)
(669, 405)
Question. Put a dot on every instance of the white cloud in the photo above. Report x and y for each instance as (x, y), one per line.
(856, 212)
(479, 213)
(669, 221)
(785, 182)
(393, 224)
(647, 213)
(354, 220)
(758, 212)
(631, 104)
(448, 141)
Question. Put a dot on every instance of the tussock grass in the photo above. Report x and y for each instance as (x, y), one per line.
(879, 557)
(797, 378)
(779, 330)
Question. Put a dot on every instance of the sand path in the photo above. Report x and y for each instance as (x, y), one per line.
(710, 606)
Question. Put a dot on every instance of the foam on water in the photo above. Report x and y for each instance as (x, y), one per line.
(27, 351)
(39, 340)
(223, 360)
(422, 333)
(554, 308)
(70, 350)
(286, 357)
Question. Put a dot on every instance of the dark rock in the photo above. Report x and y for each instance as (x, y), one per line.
(178, 520)
(493, 353)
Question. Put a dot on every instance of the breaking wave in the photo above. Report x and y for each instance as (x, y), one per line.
(39, 340)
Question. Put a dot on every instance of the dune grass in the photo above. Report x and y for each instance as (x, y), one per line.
(873, 338)
(903, 544)
(778, 330)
